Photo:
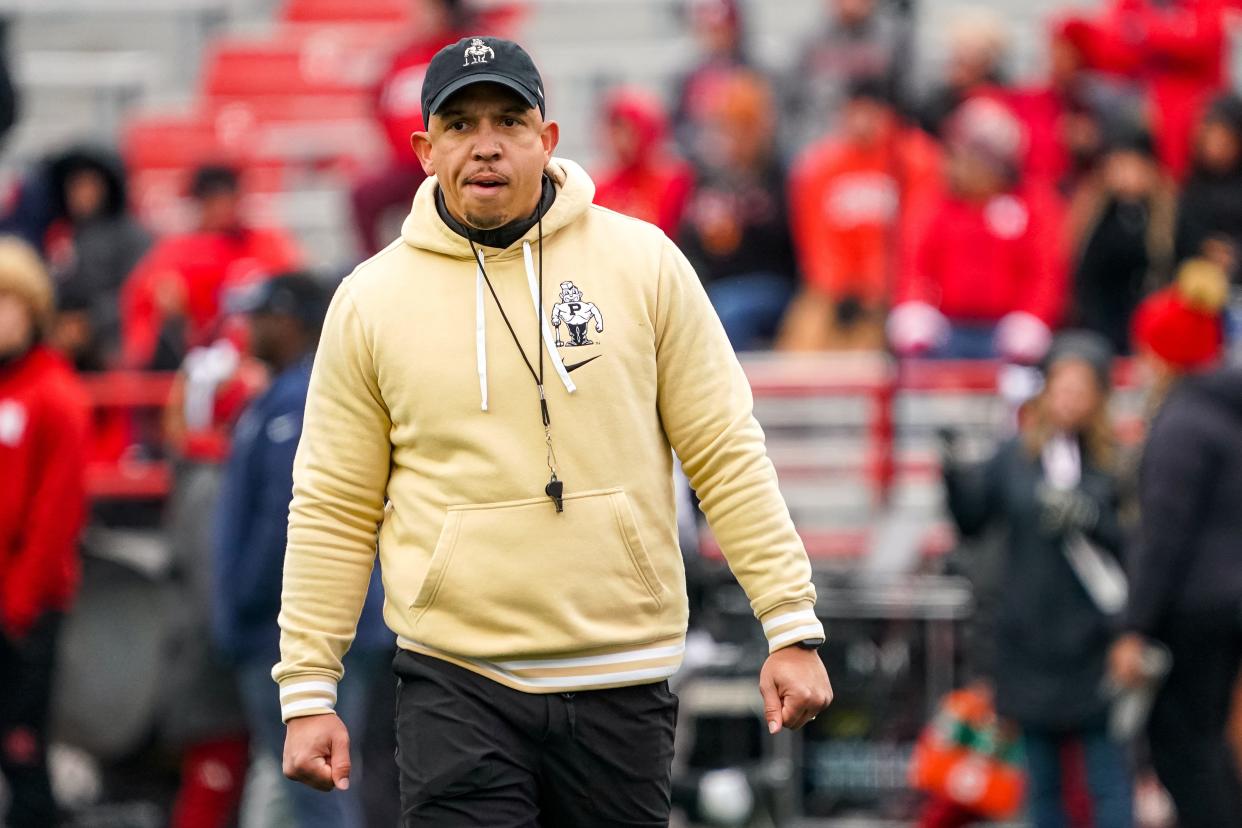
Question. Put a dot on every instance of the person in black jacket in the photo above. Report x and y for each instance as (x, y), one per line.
(105, 242)
(1121, 225)
(1209, 216)
(1186, 571)
(1048, 486)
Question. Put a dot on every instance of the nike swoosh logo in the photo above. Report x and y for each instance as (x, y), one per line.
(577, 365)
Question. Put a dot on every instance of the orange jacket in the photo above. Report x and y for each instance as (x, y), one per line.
(848, 204)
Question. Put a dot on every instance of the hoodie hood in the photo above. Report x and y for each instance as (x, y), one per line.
(96, 159)
(1222, 388)
(424, 229)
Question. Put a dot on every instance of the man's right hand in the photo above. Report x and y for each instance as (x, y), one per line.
(317, 752)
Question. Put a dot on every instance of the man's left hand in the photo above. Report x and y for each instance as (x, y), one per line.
(795, 688)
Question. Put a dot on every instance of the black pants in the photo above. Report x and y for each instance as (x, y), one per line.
(25, 694)
(472, 752)
(1188, 721)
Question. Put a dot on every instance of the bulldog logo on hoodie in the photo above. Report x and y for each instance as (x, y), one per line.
(575, 313)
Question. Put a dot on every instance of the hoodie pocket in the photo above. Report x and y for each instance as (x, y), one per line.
(518, 577)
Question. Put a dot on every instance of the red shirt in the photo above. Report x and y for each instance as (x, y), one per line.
(977, 262)
(205, 265)
(44, 425)
(1177, 49)
(844, 201)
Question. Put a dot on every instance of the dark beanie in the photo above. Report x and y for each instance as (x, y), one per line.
(1086, 346)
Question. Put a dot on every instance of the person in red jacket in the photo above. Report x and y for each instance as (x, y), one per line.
(1173, 48)
(43, 436)
(988, 275)
(384, 197)
(644, 179)
(171, 302)
(856, 201)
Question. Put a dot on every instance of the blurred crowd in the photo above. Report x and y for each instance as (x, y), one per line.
(840, 206)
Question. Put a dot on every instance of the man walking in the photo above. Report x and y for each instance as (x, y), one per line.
(523, 495)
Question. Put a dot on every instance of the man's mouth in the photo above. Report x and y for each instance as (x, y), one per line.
(486, 182)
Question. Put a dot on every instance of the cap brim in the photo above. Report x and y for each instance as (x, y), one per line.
(482, 77)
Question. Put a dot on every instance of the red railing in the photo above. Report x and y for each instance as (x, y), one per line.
(126, 478)
(873, 377)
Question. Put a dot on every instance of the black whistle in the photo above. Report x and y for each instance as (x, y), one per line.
(556, 490)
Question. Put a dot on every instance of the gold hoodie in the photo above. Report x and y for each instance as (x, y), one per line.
(423, 420)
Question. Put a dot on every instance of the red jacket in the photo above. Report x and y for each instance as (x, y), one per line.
(653, 184)
(44, 425)
(204, 265)
(844, 200)
(1177, 50)
(978, 262)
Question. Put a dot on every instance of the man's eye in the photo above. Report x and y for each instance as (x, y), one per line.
(510, 122)
(457, 126)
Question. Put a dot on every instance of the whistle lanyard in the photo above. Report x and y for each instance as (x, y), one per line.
(556, 487)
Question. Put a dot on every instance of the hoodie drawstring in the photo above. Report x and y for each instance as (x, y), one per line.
(480, 330)
(480, 325)
(548, 342)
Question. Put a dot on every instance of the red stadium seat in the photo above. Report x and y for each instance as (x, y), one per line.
(348, 11)
(324, 63)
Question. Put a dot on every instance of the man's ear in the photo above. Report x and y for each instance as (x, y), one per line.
(421, 143)
(550, 135)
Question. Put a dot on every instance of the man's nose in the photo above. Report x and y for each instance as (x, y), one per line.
(486, 145)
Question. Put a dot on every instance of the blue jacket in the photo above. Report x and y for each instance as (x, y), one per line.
(251, 524)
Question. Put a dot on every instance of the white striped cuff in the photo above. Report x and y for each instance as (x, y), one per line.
(306, 698)
(791, 627)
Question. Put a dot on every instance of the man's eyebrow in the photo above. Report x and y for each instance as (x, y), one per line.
(451, 112)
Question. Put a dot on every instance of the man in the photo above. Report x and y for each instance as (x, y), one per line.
(285, 315)
(44, 422)
(171, 303)
(856, 200)
(524, 495)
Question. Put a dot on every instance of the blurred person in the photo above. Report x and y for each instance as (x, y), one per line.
(861, 40)
(285, 315)
(1053, 488)
(100, 243)
(44, 424)
(1209, 216)
(1174, 49)
(987, 276)
(857, 199)
(527, 530)
(1186, 582)
(978, 43)
(171, 302)
(1120, 225)
(719, 30)
(735, 230)
(643, 178)
(381, 200)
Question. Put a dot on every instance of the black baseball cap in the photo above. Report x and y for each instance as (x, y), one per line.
(299, 295)
(480, 60)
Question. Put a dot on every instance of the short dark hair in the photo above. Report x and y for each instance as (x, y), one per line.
(875, 88)
(213, 179)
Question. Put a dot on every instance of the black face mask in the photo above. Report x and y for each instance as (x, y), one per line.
(505, 235)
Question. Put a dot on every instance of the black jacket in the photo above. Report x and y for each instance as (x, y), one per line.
(106, 247)
(1051, 639)
(1189, 556)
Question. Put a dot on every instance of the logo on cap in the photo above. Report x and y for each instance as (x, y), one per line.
(478, 52)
